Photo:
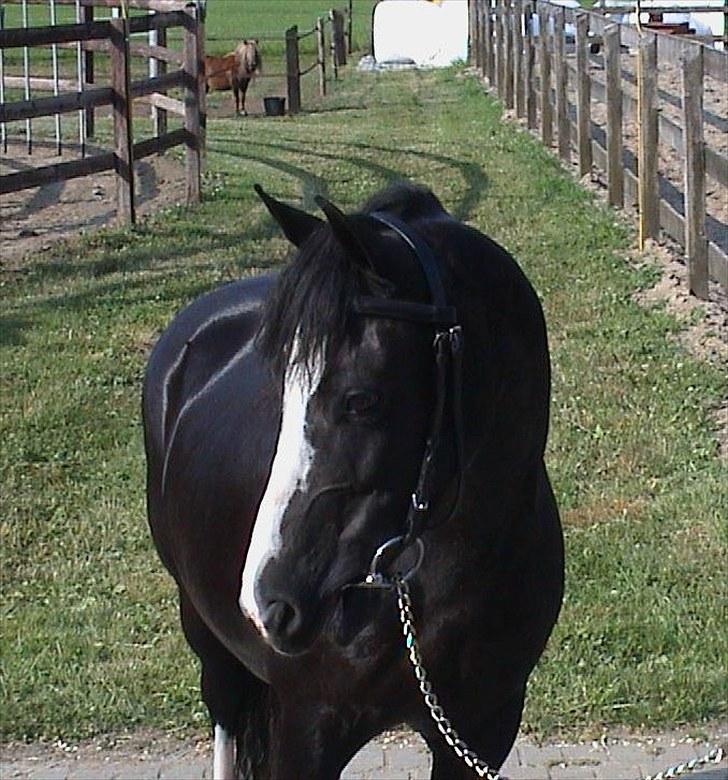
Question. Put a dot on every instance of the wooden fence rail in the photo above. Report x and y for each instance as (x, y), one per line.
(655, 11)
(519, 65)
(113, 36)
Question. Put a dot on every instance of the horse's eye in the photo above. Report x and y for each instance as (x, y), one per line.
(360, 403)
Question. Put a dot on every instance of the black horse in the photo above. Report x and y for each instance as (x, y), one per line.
(386, 395)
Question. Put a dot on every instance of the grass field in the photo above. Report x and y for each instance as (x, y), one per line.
(90, 641)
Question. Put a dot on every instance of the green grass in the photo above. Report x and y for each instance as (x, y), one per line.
(90, 641)
(266, 18)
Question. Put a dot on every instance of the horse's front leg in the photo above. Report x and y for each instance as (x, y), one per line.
(237, 98)
(244, 89)
(237, 701)
(305, 746)
(223, 755)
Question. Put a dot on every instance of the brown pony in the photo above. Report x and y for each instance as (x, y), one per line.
(234, 71)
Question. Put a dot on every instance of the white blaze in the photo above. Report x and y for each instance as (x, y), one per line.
(291, 465)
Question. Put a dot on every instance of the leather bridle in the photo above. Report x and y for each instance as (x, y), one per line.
(448, 349)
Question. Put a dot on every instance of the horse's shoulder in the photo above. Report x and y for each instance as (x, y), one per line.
(205, 338)
(232, 304)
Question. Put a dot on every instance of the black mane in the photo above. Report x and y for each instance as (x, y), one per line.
(313, 297)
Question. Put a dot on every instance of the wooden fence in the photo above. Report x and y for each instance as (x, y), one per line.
(555, 92)
(653, 11)
(112, 36)
(338, 49)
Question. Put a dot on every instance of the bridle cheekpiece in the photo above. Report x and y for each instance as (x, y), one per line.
(448, 349)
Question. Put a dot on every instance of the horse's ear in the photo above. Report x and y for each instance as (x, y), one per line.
(296, 225)
(352, 236)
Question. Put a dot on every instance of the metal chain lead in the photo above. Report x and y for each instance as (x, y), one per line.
(451, 736)
(714, 757)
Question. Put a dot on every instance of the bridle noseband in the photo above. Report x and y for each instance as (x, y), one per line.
(448, 348)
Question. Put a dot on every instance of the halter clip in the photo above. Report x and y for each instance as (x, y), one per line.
(377, 578)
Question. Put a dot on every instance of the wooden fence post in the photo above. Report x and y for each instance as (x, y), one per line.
(560, 84)
(486, 43)
(3, 128)
(160, 114)
(321, 49)
(337, 37)
(489, 53)
(500, 47)
(544, 22)
(530, 56)
(476, 41)
(473, 47)
(349, 26)
(192, 105)
(508, 41)
(518, 59)
(332, 50)
(88, 57)
(123, 138)
(583, 94)
(647, 148)
(293, 71)
(696, 245)
(201, 83)
(472, 10)
(472, 55)
(615, 175)
(480, 36)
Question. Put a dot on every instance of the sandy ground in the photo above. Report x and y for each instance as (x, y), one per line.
(32, 220)
(670, 161)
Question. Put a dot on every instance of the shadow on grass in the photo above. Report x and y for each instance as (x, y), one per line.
(121, 293)
(11, 329)
(172, 242)
(311, 184)
(476, 181)
(177, 239)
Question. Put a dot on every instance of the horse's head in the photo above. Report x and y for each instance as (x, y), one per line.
(357, 401)
(248, 56)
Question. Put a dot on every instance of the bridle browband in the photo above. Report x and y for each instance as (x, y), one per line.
(448, 348)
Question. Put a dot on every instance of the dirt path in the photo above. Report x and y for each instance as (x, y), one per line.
(33, 220)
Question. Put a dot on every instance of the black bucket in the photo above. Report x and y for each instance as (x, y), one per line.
(274, 106)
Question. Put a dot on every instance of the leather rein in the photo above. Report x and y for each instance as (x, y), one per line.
(448, 349)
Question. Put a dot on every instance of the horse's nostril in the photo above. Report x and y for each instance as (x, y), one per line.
(282, 619)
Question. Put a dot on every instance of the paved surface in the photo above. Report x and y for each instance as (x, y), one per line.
(395, 756)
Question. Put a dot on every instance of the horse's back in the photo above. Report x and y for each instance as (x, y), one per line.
(219, 71)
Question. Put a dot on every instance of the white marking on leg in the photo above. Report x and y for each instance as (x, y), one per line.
(223, 757)
(289, 473)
